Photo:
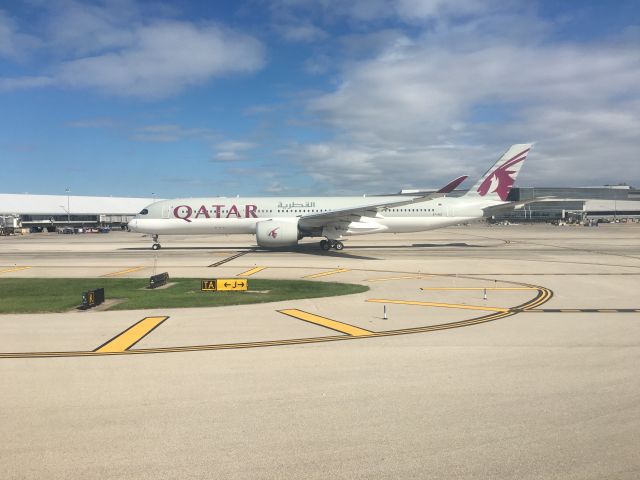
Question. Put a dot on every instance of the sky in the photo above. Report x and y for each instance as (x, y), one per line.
(325, 97)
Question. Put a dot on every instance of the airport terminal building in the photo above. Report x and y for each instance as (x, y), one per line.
(609, 202)
(50, 212)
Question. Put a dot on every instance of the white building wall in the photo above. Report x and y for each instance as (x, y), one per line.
(611, 205)
(26, 204)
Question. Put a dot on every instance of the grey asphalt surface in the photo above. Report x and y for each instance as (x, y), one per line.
(532, 395)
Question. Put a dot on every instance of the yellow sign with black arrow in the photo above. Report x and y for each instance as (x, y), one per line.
(231, 284)
(225, 285)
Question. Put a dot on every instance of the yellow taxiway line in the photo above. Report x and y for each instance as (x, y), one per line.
(248, 273)
(14, 269)
(444, 305)
(330, 272)
(122, 272)
(478, 288)
(327, 322)
(132, 335)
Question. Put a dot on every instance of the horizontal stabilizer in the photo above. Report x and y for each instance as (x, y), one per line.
(506, 207)
(453, 184)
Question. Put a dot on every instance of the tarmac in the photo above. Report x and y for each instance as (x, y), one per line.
(506, 352)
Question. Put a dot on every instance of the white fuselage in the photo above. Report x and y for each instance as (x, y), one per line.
(230, 215)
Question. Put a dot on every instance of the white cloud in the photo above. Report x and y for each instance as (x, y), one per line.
(13, 43)
(167, 133)
(97, 122)
(231, 150)
(16, 83)
(235, 145)
(165, 58)
(112, 47)
(227, 156)
(368, 11)
(429, 9)
(479, 88)
(78, 29)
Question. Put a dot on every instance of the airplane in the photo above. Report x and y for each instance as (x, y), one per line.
(283, 222)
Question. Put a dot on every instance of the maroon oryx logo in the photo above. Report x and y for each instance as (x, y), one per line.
(501, 179)
(273, 233)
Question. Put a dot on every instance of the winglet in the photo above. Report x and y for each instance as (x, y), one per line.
(451, 186)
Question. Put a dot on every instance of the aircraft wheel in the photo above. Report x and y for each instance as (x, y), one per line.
(338, 246)
(325, 245)
(156, 246)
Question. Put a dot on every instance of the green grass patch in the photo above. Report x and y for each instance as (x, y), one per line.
(32, 295)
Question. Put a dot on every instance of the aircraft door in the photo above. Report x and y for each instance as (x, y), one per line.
(449, 210)
(166, 212)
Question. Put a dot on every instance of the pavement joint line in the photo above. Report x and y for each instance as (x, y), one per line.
(14, 269)
(253, 271)
(326, 322)
(329, 272)
(435, 304)
(132, 335)
(122, 272)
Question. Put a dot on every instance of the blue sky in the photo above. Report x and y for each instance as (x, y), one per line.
(130, 98)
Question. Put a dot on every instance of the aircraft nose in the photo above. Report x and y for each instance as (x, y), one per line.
(133, 224)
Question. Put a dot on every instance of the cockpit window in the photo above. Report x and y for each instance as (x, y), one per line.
(144, 212)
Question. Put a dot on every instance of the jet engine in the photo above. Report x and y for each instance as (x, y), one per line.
(274, 234)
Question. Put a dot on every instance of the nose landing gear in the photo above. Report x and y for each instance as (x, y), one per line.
(329, 244)
(156, 245)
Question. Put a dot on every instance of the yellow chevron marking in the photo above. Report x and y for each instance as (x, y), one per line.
(131, 335)
(248, 273)
(327, 322)
(329, 272)
(14, 269)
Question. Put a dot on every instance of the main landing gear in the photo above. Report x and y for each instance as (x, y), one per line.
(156, 245)
(329, 244)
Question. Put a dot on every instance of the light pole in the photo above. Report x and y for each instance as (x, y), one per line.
(68, 190)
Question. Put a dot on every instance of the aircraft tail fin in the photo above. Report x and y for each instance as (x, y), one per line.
(496, 183)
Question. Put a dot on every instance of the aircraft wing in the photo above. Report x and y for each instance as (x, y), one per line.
(354, 213)
(371, 210)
